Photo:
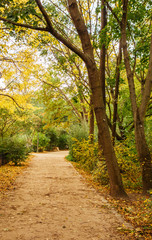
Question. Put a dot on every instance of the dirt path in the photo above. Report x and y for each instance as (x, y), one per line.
(52, 201)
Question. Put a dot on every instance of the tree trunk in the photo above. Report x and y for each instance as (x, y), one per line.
(116, 185)
(91, 124)
(103, 48)
(143, 154)
(138, 114)
(37, 149)
(87, 55)
(115, 104)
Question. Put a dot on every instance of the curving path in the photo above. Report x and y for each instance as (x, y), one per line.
(52, 201)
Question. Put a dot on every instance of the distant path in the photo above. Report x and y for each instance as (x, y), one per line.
(52, 201)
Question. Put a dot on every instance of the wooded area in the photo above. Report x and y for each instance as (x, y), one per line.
(78, 75)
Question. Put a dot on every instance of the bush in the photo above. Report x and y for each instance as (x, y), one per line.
(52, 137)
(129, 164)
(89, 159)
(43, 142)
(13, 149)
(87, 155)
(63, 140)
(79, 133)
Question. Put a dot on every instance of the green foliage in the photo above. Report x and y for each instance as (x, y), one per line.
(78, 132)
(85, 153)
(63, 140)
(42, 140)
(128, 163)
(88, 157)
(49, 139)
(14, 150)
(148, 129)
(52, 137)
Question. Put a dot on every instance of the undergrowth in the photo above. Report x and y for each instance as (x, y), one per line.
(137, 210)
(90, 159)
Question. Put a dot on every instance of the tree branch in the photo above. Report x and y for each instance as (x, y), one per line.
(148, 87)
(58, 35)
(23, 25)
(66, 98)
(113, 13)
(6, 95)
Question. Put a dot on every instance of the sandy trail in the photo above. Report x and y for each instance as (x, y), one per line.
(52, 201)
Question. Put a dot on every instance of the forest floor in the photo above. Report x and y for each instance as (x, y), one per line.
(50, 200)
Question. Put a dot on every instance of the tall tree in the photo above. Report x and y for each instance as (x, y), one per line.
(138, 111)
(103, 47)
(87, 55)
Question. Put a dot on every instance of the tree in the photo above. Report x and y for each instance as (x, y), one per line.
(132, 24)
(139, 111)
(87, 55)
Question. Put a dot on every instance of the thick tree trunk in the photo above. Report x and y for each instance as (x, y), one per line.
(87, 55)
(143, 154)
(116, 185)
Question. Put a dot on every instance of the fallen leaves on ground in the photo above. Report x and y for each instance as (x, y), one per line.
(137, 211)
(8, 174)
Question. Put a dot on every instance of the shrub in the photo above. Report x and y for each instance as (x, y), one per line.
(13, 149)
(52, 137)
(63, 140)
(43, 142)
(100, 173)
(79, 133)
(129, 164)
(89, 158)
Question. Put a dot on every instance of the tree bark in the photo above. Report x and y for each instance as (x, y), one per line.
(103, 48)
(138, 113)
(115, 104)
(91, 124)
(148, 87)
(116, 185)
(143, 153)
